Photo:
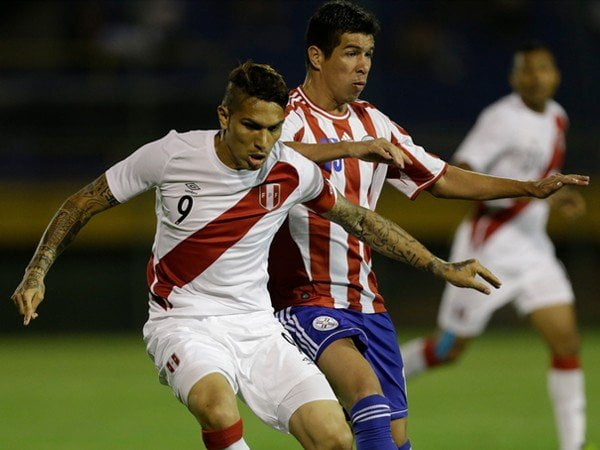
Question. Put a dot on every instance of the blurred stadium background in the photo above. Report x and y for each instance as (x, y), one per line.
(84, 83)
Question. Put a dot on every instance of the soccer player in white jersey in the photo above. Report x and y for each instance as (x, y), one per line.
(221, 196)
(520, 136)
(321, 280)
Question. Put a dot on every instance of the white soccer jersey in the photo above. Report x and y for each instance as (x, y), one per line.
(214, 223)
(314, 261)
(511, 140)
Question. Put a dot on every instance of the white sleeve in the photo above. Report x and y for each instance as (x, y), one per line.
(484, 142)
(293, 127)
(140, 171)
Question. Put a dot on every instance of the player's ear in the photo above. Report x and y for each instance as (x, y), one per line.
(315, 57)
(223, 115)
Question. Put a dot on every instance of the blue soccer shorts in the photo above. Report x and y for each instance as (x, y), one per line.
(315, 327)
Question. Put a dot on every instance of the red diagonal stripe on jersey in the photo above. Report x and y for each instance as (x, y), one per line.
(195, 254)
(499, 218)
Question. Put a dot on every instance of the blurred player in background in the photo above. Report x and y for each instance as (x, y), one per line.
(321, 279)
(520, 136)
(221, 196)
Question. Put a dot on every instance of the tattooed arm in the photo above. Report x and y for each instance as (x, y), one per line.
(391, 240)
(64, 226)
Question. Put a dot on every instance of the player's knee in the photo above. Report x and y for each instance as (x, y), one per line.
(335, 436)
(212, 414)
(567, 344)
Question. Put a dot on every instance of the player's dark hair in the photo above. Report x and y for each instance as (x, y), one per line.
(531, 46)
(333, 19)
(255, 80)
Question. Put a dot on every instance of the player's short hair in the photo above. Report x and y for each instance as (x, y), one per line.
(531, 46)
(333, 19)
(251, 79)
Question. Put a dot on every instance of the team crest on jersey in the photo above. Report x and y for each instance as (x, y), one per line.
(269, 195)
(325, 323)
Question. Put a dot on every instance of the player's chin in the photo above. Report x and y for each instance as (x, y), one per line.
(255, 162)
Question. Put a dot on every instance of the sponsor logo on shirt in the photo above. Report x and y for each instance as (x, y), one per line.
(192, 188)
(268, 195)
(325, 323)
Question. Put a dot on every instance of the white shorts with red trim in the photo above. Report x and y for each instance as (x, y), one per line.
(531, 280)
(252, 351)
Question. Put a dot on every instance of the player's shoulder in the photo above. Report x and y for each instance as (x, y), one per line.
(502, 110)
(556, 108)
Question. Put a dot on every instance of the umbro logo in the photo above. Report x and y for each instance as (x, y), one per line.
(192, 188)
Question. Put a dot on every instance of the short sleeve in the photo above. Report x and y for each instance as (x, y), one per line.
(140, 171)
(424, 171)
(484, 142)
(293, 127)
(317, 193)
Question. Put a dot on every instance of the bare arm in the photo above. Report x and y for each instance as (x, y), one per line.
(391, 240)
(74, 213)
(376, 150)
(465, 184)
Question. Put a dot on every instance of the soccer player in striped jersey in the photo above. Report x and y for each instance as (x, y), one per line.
(520, 136)
(220, 197)
(321, 280)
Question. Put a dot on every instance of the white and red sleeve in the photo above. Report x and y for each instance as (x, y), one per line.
(424, 171)
(293, 127)
(140, 171)
(318, 194)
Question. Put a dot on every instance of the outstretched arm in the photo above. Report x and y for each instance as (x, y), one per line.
(376, 150)
(391, 240)
(467, 185)
(74, 213)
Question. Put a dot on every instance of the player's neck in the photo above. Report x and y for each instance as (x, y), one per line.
(538, 107)
(223, 151)
(317, 92)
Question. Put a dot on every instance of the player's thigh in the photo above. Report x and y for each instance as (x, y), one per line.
(212, 401)
(383, 355)
(348, 371)
(558, 326)
(186, 350)
(276, 378)
(321, 424)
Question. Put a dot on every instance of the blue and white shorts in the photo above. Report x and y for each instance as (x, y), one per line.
(315, 327)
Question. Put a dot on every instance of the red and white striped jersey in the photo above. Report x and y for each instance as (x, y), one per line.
(513, 141)
(214, 224)
(314, 261)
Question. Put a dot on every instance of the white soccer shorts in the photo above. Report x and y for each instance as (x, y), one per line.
(252, 350)
(535, 283)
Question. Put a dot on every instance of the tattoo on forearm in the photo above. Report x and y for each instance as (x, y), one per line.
(68, 220)
(384, 236)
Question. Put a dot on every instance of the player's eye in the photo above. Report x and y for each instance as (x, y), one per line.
(252, 125)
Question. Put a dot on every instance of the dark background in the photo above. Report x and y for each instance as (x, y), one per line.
(84, 83)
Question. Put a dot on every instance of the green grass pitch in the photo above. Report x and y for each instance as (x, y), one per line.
(101, 391)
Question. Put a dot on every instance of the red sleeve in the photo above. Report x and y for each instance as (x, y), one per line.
(325, 201)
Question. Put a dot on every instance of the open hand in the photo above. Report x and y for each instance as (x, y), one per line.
(28, 295)
(380, 150)
(464, 274)
(547, 186)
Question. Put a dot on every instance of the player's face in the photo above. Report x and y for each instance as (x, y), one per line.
(535, 78)
(345, 72)
(250, 133)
